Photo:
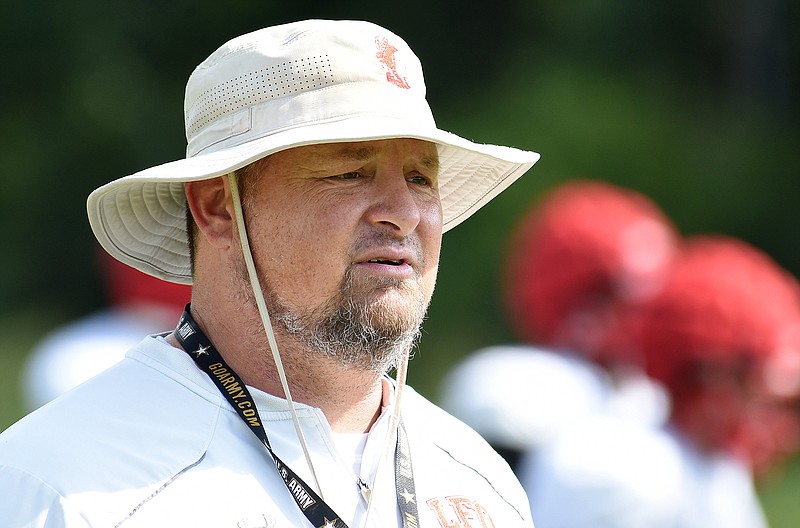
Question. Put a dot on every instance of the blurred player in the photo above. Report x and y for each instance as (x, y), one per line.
(722, 336)
(137, 305)
(583, 256)
(586, 256)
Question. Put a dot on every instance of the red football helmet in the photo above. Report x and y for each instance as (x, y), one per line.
(126, 286)
(723, 335)
(586, 254)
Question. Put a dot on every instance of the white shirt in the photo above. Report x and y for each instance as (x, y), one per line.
(611, 472)
(151, 442)
(719, 489)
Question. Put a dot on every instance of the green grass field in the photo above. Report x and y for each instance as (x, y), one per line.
(19, 333)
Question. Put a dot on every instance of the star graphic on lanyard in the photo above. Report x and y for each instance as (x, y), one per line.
(407, 496)
(202, 351)
(329, 524)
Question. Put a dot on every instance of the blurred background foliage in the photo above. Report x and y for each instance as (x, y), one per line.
(694, 103)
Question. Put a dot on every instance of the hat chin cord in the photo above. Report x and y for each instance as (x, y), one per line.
(264, 313)
(389, 442)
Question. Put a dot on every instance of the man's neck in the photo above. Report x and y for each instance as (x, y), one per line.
(350, 398)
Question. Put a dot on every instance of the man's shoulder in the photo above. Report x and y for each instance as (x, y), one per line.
(440, 426)
(454, 439)
(127, 404)
(130, 427)
(454, 460)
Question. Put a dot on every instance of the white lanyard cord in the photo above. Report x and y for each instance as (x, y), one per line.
(390, 442)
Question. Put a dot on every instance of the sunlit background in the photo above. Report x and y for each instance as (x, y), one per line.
(694, 103)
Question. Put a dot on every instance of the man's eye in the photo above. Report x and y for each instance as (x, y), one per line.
(420, 180)
(349, 176)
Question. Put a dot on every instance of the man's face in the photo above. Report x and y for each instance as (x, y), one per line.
(346, 238)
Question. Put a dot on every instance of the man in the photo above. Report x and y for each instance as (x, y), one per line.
(318, 188)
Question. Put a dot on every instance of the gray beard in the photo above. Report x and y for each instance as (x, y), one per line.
(348, 327)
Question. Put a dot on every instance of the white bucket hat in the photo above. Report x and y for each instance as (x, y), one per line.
(309, 82)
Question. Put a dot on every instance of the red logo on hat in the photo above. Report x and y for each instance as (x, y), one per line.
(385, 54)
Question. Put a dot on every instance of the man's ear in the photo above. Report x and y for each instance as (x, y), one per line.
(211, 206)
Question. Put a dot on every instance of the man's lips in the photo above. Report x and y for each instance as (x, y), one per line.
(388, 255)
(396, 270)
(389, 261)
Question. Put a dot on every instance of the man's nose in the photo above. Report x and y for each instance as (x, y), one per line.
(394, 203)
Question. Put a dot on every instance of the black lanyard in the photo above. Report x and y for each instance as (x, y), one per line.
(206, 356)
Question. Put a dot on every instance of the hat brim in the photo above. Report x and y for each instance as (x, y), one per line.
(140, 219)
